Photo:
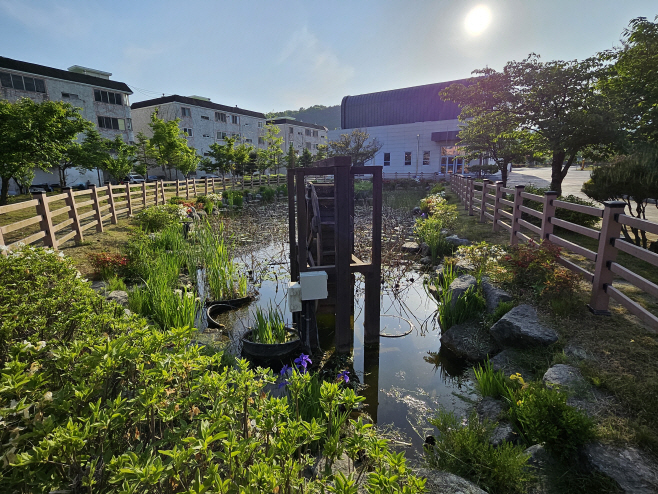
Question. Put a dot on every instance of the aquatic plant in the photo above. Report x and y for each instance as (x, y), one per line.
(269, 327)
(489, 382)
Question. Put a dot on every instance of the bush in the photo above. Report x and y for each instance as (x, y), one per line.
(282, 189)
(489, 382)
(155, 218)
(564, 214)
(436, 205)
(233, 198)
(468, 306)
(267, 193)
(108, 264)
(482, 256)
(463, 448)
(428, 230)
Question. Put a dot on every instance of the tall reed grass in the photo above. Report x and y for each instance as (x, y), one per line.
(269, 326)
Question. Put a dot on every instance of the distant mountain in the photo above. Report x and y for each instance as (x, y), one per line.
(329, 116)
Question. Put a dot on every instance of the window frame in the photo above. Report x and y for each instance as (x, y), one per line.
(185, 112)
(426, 162)
(409, 154)
(189, 131)
(387, 162)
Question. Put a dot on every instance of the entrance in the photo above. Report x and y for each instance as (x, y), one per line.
(450, 161)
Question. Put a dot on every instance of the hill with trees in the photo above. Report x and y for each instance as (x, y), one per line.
(329, 116)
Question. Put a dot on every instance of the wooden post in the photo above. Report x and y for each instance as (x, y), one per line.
(73, 213)
(143, 195)
(162, 190)
(177, 187)
(343, 258)
(206, 186)
(130, 201)
(97, 209)
(372, 278)
(294, 264)
(46, 222)
(606, 254)
(547, 213)
(213, 185)
(516, 213)
(496, 213)
(187, 188)
(483, 204)
(194, 185)
(471, 195)
(110, 200)
(155, 191)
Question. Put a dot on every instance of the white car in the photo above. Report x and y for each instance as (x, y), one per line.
(133, 178)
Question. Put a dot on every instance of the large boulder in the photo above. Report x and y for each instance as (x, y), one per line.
(521, 328)
(564, 376)
(446, 483)
(503, 433)
(119, 296)
(410, 247)
(494, 295)
(460, 285)
(490, 409)
(456, 241)
(469, 341)
(507, 362)
(633, 470)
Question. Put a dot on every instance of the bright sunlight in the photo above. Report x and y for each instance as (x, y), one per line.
(477, 20)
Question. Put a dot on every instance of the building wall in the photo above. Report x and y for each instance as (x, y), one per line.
(81, 96)
(297, 135)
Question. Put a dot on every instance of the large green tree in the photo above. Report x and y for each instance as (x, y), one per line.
(34, 135)
(168, 147)
(355, 145)
(121, 158)
(274, 148)
(291, 157)
(223, 157)
(88, 155)
(306, 158)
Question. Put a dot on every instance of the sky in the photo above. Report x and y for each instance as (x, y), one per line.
(273, 55)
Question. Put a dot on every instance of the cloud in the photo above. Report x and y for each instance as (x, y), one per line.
(53, 19)
(314, 71)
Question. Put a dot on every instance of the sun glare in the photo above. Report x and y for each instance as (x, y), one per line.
(477, 20)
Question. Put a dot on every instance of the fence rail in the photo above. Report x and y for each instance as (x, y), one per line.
(487, 201)
(67, 216)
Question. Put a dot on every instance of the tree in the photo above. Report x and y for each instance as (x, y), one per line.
(306, 158)
(121, 159)
(223, 155)
(74, 155)
(34, 135)
(322, 152)
(262, 162)
(241, 158)
(291, 158)
(168, 147)
(274, 149)
(356, 146)
(88, 155)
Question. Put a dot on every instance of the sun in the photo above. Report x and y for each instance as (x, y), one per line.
(477, 20)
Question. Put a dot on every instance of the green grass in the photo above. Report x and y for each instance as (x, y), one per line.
(269, 326)
(489, 382)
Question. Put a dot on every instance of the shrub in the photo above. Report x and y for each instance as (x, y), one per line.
(155, 218)
(561, 213)
(233, 198)
(108, 264)
(489, 382)
(282, 189)
(463, 448)
(482, 256)
(436, 205)
(468, 306)
(362, 188)
(428, 230)
(437, 188)
(267, 193)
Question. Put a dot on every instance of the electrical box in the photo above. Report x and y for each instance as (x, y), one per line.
(294, 296)
(314, 285)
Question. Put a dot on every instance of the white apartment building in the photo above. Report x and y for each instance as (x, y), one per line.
(102, 101)
(203, 121)
(417, 129)
(300, 134)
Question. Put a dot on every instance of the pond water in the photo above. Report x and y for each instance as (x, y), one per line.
(405, 381)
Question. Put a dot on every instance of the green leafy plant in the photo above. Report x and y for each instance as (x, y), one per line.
(428, 230)
(582, 219)
(501, 309)
(269, 326)
(463, 448)
(481, 255)
(156, 218)
(489, 382)
(267, 193)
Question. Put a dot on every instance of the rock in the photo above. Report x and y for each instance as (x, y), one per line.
(539, 457)
(215, 212)
(127, 312)
(460, 285)
(507, 362)
(470, 341)
(119, 296)
(196, 217)
(494, 295)
(425, 250)
(564, 376)
(258, 197)
(455, 240)
(576, 352)
(446, 483)
(410, 247)
(633, 470)
(184, 281)
(416, 211)
(99, 286)
(202, 213)
(435, 291)
(490, 409)
(503, 433)
(427, 261)
(520, 328)
(463, 266)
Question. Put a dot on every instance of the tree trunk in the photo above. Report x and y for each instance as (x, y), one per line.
(4, 191)
(503, 175)
(556, 171)
(223, 183)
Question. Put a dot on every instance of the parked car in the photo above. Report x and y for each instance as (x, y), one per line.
(153, 178)
(133, 178)
(41, 188)
(210, 175)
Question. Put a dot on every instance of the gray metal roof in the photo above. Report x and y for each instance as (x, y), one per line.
(298, 123)
(194, 102)
(399, 106)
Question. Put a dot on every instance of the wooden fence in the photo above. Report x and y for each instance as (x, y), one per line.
(490, 204)
(67, 216)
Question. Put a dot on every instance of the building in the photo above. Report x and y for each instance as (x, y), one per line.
(203, 121)
(102, 101)
(300, 134)
(417, 129)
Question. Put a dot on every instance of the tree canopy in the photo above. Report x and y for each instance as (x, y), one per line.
(355, 145)
(168, 147)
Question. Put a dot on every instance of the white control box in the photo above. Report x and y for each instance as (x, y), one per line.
(314, 285)
(294, 296)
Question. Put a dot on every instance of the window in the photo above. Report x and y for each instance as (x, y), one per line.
(108, 97)
(315, 146)
(234, 119)
(206, 135)
(261, 140)
(308, 145)
(235, 134)
(221, 136)
(291, 130)
(185, 112)
(70, 96)
(387, 159)
(129, 123)
(188, 131)
(206, 153)
(308, 132)
(22, 83)
(249, 140)
(204, 117)
(315, 133)
(426, 158)
(407, 158)
(111, 123)
(220, 117)
(260, 125)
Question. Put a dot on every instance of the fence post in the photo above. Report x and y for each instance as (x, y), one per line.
(471, 195)
(206, 185)
(155, 190)
(97, 208)
(73, 213)
(606, 254)
(496, 211)
(516, 213)
(46, 220)
(547, 213)
(143, 195)
(213, 185)
(177, 187)
(194, 185)
(187, 188)
(110, 196)
(129, 199)
(483, 204)
(162, 191)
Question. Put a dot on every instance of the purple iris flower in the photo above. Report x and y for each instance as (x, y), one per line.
(282, 384)
(344, 376)
(285, 370)
(303, 361)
